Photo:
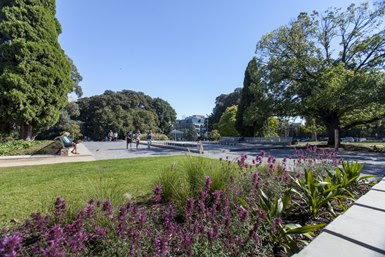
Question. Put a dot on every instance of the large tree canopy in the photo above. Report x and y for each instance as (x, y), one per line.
(166, 115)
(226, 125)
(222, 102)
(329, 66)
(123, 111)
(35, 74)
(256, 104)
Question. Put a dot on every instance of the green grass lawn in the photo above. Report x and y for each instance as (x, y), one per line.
(24, 190)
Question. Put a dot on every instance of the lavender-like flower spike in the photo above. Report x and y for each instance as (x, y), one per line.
(208, 183)
(9, 245)
(60, 207)
(158, 190)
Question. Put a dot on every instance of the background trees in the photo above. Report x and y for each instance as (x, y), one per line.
(222, 102)
(256, 104)
(34, 70)
(226, 125)
(123, 111)
(329, 66)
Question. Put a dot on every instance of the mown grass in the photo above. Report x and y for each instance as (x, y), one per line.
(24, 190)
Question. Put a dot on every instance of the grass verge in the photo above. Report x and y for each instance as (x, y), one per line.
(24, 190)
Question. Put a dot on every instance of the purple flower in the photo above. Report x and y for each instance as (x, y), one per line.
(158, 190)
(256, 238)
(53, 250)
(122, 218)
(276, 224)
(208, 184)
(60, 207)
(243, 214)
(107, 209)
(9, 245)
(162, 245)
(189, 208)
(256, 179)
(271, 166)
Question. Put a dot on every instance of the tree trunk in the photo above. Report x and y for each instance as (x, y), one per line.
(314, 136)
(332, 125)
(26, 132)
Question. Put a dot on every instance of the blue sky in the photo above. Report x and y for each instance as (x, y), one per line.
(185, 51)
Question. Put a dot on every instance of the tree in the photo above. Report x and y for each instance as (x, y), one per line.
(215, 135)
(166, 115)
(256, 104)
(221, 103)
(34, 71)
(121, 112)
(191, 134)
(76, 78)
(226, 125)
(312, 126)
(271, 128)
(329, 66)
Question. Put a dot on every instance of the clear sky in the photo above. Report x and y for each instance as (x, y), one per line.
(185, 51)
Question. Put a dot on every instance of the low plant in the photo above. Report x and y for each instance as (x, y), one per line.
(316, 193)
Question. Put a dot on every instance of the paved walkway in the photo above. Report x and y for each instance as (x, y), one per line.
(375, 162)
(359, 232)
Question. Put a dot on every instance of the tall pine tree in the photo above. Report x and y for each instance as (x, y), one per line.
(35, 75)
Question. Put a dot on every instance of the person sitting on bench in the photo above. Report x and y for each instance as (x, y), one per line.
(70, 143)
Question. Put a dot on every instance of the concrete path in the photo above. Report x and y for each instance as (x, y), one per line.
(375, 162)
(359, 232)
(27, 160)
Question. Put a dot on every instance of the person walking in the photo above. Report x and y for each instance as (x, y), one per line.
(110, 135)
(129, 139)
(137, 138)
(116, 136)
(149, 139)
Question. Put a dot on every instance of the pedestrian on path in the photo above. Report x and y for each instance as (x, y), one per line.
(149, 139)
(129, 139)
(116, 136)
(110, 135)
(137, 138)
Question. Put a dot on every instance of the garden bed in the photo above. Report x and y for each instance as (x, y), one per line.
(203, 207)
(22, 147)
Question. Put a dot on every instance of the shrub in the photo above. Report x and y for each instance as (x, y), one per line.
(214, 135)
(184, 180)
(10, 146)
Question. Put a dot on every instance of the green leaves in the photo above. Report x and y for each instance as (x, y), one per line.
(274, 207)
(340, 84)
(34, 71)
(226, 125)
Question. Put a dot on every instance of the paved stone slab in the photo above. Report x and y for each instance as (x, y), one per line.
(328, 245)
(359, 232)
(380, 185)
(373, 199)
(361, 224)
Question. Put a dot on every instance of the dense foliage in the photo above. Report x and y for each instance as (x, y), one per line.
(226, 125)
(122, 112)
(328, 66)
(35, 74)
(222, 102)
(256, 104)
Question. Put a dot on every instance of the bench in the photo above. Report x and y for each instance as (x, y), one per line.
(64, 150)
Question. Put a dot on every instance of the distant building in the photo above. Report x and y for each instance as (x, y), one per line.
(198, 122)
